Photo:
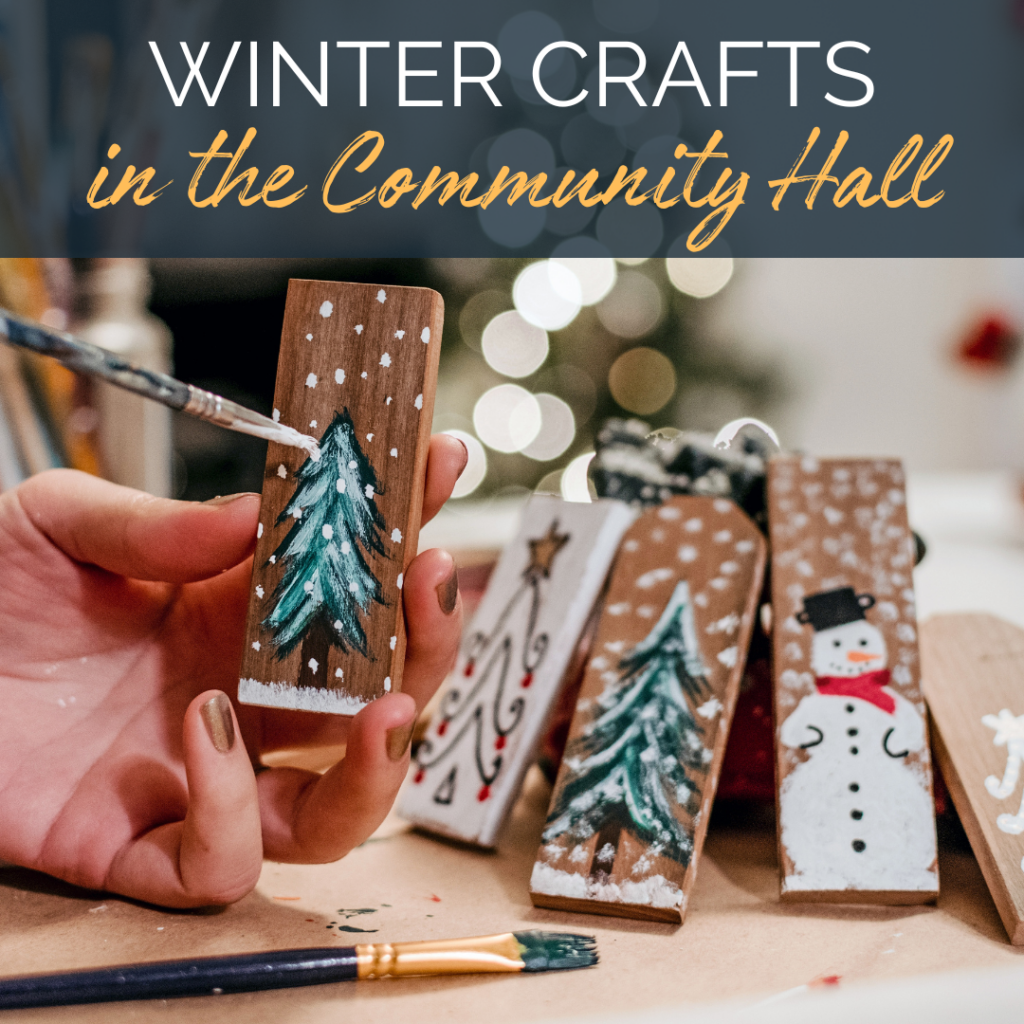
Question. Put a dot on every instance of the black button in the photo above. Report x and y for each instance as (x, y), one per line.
(859, 845)
(854, 750)
(851, 732)
(854, 788)
(856, 815)
(850, 708)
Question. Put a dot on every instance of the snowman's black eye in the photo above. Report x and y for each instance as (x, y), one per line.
(863, 643)
(837, 643)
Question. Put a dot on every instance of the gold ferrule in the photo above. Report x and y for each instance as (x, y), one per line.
(492, 954)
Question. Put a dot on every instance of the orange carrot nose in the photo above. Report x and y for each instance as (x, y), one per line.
(861, 656)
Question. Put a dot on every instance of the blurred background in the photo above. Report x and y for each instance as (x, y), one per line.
(912, 358)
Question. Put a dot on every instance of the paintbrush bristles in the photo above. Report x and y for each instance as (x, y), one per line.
(556, 951)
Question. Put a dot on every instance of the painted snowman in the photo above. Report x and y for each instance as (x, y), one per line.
(854, 815)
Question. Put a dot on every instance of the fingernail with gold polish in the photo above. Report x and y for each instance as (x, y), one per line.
(226, 499)
(398, 740)
(220, 725)
(448, 592)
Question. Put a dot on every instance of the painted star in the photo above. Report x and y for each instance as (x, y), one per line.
(1006, 725)
(544, 549)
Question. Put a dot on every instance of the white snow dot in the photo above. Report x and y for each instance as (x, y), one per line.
(382, 296)
(387, 401)
(358, 328)
(259, 591)
(368, 490)
(693, 526)
(341, 485)
(309, 337)
(282, 472)
(313, 665)
(273, 559)
(327, 530)
(326, 309)
(296, 513)
(369, 437)
(259, 531)
(396, 535)
(669, 512)
(394, 640)
(308, 586)
(425, 335)
(744, 547)
(728, 656)
(400, 580)
(312, 424)
(338, 674)
(345, 547)
(394, 453)
(399, 335)
(385, 360)
(723, 537)
(339, 376)
(353, 588)
(632, 545)
(255, 645)
(337, 625)
(363, 375)
(352, 463)
(687, 553)
(311, 381)
(387, 684)
(419, 402)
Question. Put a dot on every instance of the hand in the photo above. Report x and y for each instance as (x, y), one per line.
(122, 764)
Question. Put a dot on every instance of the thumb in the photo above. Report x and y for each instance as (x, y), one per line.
(215, 855)
(134, 534)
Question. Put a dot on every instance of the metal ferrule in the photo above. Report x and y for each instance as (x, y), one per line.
(492, 954)
(208, 406)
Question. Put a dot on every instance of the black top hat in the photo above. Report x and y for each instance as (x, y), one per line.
(831, 608)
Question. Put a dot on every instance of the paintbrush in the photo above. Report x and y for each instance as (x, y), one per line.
(529, 952)
(84, 357)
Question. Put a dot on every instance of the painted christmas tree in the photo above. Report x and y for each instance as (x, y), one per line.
(327, 583)
(629, 768)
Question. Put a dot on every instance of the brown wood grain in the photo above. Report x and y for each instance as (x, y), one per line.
(972, 668)
(375, 354)
(836, 523)
(717, 550)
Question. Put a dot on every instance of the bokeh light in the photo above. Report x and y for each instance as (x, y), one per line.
(512, 346)
(642, 380)
(699, 276)
(596, 275)
(557, 429)
(478, 312)
(547, 294)
(633, 307)
(574, 485)
(507, 418)
(476, 465)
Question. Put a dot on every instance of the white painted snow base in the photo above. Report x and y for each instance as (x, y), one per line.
(655, 891)
(297, 698)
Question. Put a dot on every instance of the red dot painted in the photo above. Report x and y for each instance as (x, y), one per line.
(526, 680)
(468, 670)
(418, 777)
(484, 794)
(443, 727)
(499, 743)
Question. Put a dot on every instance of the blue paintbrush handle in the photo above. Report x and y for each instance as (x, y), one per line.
(248, 972)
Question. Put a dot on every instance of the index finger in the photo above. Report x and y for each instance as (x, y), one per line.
(445, 462)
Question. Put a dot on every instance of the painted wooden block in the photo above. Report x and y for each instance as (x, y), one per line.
(973, 675)
(856, 819)
(358, 371)
(630, 806)
(470, 766)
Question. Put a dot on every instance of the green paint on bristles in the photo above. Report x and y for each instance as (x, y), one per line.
(556, 951)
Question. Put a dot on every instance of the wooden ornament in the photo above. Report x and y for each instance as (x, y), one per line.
(973, 675)
(468, 771)
(631, 803)
(357, 370)
(856, 818)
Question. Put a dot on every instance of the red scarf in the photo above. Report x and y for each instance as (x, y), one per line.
(866, 687)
